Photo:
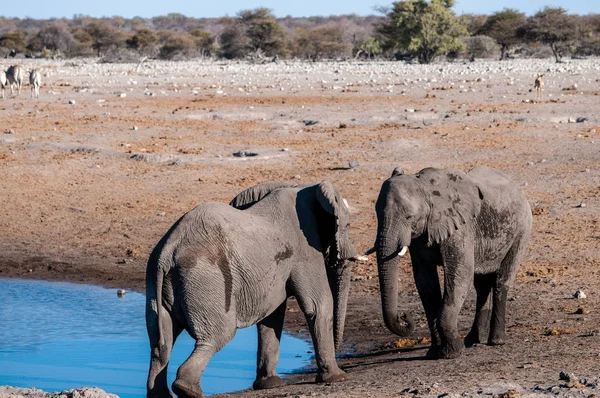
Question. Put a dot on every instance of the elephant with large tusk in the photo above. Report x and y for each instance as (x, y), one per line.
(476, 225)
(223, 267)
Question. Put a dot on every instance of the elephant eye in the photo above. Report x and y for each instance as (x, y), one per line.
(408, 217)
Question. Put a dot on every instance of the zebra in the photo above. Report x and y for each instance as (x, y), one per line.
(14, 75)
(35, 79)
(3, 81)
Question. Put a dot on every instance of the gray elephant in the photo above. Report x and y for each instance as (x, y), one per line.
(220, 268)
(475, 225)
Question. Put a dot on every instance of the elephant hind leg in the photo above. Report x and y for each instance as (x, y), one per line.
(504, 280)
(157, 385)
(269, 337)
(212, 328)
(481, 325)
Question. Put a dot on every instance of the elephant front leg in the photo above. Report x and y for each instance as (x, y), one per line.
(319, 316)
(481, 325)
(269, 337)
(428, 286)
(458, 277)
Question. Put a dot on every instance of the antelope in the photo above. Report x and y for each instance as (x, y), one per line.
(3, 81)
(538, 86)
(14, 75)
(35, 79)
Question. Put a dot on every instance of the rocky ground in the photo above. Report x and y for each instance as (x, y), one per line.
(95, 172)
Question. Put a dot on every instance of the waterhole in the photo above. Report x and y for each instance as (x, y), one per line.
(56, 336)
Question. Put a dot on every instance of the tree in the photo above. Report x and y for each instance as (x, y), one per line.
(588, 35)
(252, 31)
(321, 42)
(473, 22)
(104, 36)
(551, 26)
(504, 26)
(424, 29)
(144, 41)
(205, 41)
(177, 45)
(233, 39)
(369, 48)
(13, 42)
(54, 37)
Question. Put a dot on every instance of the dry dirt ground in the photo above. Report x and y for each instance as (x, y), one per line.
(95, 172)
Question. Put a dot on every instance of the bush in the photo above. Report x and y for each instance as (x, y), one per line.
(481, 47)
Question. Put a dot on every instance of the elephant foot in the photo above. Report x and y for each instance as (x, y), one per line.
(268, 382)
(331, 377)
(473, 338)
(497, 338)
(184, 390)
(433, 352)
(451, 349)
(159, 393)
(497, 341)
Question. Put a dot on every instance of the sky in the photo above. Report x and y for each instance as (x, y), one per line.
(43, 9)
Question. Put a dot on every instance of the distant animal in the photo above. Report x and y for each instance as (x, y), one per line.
(223, 267)
(538, 86)
(14, 75)
(35, 79)
(475, 225)
(3, 82)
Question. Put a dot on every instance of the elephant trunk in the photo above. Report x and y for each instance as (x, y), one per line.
(339, 281)
(389, 250)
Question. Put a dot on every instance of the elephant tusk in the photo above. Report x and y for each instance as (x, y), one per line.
(361, 259)
(403, 251)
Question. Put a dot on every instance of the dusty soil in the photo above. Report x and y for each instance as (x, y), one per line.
(89, 187)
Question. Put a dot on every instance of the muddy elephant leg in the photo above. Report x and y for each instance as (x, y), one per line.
(317, 305)
(504, 280)
(428, 286)
(269, 337)
(481, 325)
(458, 278)
(157, 385)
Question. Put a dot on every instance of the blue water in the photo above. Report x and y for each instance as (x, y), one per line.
(57, 336)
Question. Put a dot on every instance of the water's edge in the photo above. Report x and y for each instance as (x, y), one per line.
(49, 321)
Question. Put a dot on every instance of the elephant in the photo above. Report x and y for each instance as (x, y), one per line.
(476, 225)
(221, 267)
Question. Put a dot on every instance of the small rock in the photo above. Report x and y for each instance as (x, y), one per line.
(353, 164)
(297, 177)
(572, 120)
(284, 149)
(582, 311)
(71, 102)
(581, 119)
(579, 294)
(343, 125)
(581, 204)
(161, 214)
(409, 110)
(310, 122)
(122, 95)
(134, 128)
(121, 292)
(11, 131)
(244, 154)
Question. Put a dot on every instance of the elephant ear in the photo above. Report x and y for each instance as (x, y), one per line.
(332, 202)
(455, 201)
(250, 196)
